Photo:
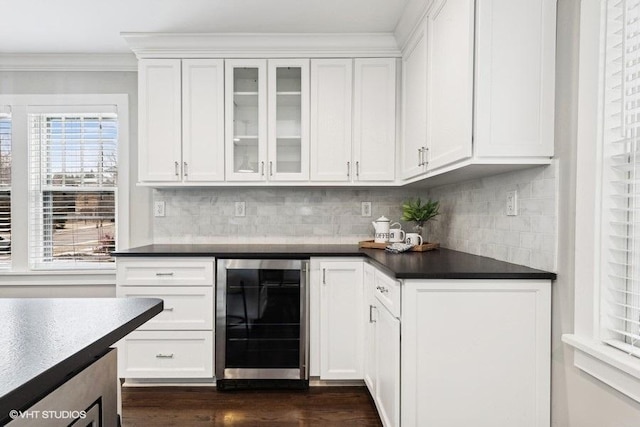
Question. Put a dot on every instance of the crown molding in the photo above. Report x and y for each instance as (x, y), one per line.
(260, 45)
(68, 62)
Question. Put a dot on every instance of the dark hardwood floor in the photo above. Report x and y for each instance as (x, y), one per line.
(205, 406)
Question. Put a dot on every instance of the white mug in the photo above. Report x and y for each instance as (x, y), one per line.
(396, 235)
(413, 239)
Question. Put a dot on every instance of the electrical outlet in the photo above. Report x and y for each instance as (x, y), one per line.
(512, 203)
(366, 209)
(158, 208)
(240, 209)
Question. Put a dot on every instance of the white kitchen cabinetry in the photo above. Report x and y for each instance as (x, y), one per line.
(374, 119)
(177, 343)
(331, 97)
(480, 345)
(353, 118)
(369, 367)
(478, 89)
(382, 355)
(414, 104)
(246, 119)
(181, 120)
(449, 37)
(267, 120)
(341, 343)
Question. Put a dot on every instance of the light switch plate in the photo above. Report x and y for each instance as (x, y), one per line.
(512, 203)
(366, 209)
(158, 208)
(240, 209)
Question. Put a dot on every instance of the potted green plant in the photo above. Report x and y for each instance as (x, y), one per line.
(415, 211)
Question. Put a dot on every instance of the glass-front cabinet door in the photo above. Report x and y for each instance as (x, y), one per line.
(246, 119)
(288, 120)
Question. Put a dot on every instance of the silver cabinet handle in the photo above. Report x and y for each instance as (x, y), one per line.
(348, 169)
(262, 168)
(185, 169)
(324, 276)
(177, 168)
(164, 356)
(384, 290)
(357, 169)
(164, 274)
(371, 307)
(426, 156)
(168, 309)
(270, 168)
(420, 156)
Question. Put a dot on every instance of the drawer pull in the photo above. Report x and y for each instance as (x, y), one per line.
(168, 309)
(164, 274)
(164, 356)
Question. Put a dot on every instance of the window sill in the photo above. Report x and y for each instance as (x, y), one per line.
(610, 365)
(58, 278)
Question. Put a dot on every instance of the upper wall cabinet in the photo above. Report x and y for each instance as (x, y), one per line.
(267, 115)
(181, 120)
(358, 147)
(515, 77)
(478, 86)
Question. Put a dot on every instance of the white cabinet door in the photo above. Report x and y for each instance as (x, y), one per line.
(369, 368)
(414, 105)
(374, 119)
(387, 355)
(341, 325)
(203, 120)
(288, 148)
(480, 345)
(450, 25)
(331, 95)
(160, 120)
(515, 72)
(246, 119)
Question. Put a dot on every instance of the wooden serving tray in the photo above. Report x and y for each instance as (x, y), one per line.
(370, 244)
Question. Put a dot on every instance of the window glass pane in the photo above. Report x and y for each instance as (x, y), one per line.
(73, 161)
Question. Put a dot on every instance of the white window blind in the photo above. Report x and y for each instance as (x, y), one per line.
(73, 182)
(620, 298)
(5, 188)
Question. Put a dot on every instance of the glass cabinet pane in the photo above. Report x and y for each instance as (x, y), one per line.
(288, 120)
(245, 120)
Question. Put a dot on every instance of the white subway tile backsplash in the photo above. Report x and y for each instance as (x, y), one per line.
(473, 215)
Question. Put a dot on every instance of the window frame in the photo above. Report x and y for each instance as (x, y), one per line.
(591, 355)
(20, 270)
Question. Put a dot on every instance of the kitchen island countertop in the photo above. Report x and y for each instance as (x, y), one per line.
(45, 341)
(436, 264)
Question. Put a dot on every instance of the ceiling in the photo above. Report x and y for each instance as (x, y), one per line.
(90, 26)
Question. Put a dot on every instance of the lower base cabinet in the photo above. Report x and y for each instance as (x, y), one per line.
(476, 353)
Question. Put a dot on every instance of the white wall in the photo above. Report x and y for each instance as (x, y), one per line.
(84, 82)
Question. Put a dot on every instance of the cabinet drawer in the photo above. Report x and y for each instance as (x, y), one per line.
(165, 272)
(185, 307)
(387, 291)
(166, 354)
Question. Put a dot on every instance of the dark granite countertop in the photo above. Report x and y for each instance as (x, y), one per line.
(45, 341)
(437, 264)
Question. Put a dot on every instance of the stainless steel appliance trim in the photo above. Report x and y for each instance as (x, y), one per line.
(264, 373)
(261, 374)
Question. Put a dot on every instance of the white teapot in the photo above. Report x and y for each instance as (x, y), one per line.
(382, 229)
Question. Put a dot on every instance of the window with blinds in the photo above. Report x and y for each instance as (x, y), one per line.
(620, 298)
(5, 188)
(73, 182)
